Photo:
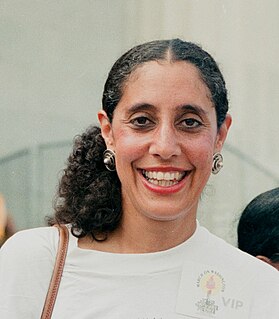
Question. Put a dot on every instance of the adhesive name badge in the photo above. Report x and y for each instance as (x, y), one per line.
(209, 292)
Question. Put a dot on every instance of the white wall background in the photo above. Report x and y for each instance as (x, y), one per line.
(54, 57)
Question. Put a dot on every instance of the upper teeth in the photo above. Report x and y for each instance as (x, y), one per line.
(167, 176)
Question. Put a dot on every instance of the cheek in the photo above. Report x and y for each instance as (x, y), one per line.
(202, 153)
(128, 147)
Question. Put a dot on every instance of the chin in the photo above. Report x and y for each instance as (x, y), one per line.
(164, 215)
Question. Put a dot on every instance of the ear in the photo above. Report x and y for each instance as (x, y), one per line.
(268, 261)
(222, 133)
(106, 128)
(264, 258)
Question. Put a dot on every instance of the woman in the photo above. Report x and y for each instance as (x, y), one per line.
(258, 228)
(130, 195)
(7, 227)
(3, 220)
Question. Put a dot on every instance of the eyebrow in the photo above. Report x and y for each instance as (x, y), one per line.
(141, 107)
(192, 108)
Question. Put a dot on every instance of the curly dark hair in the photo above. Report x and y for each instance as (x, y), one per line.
(89, 196)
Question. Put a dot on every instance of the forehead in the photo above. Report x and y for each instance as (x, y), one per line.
(149, 69)
(166, 82)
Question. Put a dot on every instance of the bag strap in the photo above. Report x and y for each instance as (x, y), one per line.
(57, 271)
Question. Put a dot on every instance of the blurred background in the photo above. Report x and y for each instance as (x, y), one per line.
(54, 59)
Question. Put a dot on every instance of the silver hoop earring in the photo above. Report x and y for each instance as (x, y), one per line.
(217, 163)
(109, 160)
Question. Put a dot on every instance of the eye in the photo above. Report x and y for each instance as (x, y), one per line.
(190, 123)
(141, 121)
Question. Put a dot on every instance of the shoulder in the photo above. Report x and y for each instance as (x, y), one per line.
(234, 259)
(30, 244)
(26, 265)
(245, 276)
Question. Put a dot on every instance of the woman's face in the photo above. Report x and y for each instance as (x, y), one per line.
(164, 134)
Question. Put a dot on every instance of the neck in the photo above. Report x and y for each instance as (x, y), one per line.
(156, 235)
(142, 235)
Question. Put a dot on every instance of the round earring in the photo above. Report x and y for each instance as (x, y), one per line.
(109, 160)
(217, 163)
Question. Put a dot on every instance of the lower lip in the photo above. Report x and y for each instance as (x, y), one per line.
(167, 189)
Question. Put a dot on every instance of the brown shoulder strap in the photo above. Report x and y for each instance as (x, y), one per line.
(57, 271)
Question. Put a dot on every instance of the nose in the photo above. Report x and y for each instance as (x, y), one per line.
(165, 143)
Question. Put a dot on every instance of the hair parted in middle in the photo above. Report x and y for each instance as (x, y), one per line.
(89, 196)
(166, 50)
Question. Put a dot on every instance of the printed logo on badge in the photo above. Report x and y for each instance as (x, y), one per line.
(211, 283)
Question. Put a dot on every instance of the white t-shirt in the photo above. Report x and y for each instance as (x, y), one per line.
(203, 277)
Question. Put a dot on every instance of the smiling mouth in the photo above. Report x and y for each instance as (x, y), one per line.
(163, 178)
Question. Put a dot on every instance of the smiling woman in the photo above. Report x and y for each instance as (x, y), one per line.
(165, 122)
(129, 197)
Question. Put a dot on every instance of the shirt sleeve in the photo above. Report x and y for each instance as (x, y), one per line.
(26, 265)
